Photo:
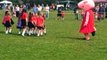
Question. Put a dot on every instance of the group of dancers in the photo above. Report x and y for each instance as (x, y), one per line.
(32, 23)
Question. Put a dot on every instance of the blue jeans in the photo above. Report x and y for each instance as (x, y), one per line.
(47, 14)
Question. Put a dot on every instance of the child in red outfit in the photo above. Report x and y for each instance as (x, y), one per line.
(32, 23)
(40, 24)
(24, 20)
(44, 28)
(7, 20)
(62, 15)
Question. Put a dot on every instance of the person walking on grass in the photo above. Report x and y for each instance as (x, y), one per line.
(87, 25)
(32, 23)
(59, 16)
(40, 24)
(76, 13)
(24, 20)
(7, 22)
(106, 11)
(47, 11)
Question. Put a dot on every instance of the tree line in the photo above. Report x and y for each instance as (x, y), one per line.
(39, 1)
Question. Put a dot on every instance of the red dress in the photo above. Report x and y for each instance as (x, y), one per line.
(90, 23)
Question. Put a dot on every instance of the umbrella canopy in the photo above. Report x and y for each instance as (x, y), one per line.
(5, 2)
(100, 0)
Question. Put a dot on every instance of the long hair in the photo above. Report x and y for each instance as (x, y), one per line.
(23, 11)
(7, 13)
(30, 16)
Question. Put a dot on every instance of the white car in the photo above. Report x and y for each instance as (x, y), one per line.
(59, 6)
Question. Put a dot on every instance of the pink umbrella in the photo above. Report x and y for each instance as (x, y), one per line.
(100, 0)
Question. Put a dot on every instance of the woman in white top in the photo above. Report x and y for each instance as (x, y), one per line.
(17, 8)
(47, 11)
(39, 8)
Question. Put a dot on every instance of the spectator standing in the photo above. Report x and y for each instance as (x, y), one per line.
(39, 8)
(47, 11)
(17, 9)
(76, 13)
(35, 9)
(106, 11)
(101, 12)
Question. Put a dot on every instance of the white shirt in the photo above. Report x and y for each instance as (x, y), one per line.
(40, 8)
(47, 8)
(17, 9)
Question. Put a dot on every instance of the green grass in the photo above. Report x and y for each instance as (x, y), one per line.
(62, 42)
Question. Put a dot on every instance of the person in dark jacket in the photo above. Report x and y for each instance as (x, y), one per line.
(106, 11)
(76, 13)
(101, 12)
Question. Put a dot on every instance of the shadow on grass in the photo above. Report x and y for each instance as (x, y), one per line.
(73, 38)
(1, 32)
(102, 50)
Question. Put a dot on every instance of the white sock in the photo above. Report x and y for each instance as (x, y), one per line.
(23, 33)
(41, 33)
(10, 30)
(6, 32)
(38, 34)
(45, 31)
(19, 32)
(29, 32)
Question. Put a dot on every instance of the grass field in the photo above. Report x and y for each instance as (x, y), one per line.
(62, 42)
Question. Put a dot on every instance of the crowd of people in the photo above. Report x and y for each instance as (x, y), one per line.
(101, 11)
(28, 23)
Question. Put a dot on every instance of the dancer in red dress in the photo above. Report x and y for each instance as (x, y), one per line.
(87, 25)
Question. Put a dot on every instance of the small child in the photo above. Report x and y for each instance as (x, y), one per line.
(7, 22)
(40, 24)
(44, 27)
(31, 23)
(76, 13)
(35, 18)
(24, 19)
(19, 24)
(62, 15)
(59, 16)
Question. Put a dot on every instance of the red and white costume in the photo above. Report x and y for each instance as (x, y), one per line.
(87, 25)
(88, 22)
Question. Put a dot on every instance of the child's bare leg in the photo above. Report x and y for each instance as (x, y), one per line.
(35, 30)
(10, 29)
(44, 31)
(6, 30)
(38, 32)
(41, 32)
